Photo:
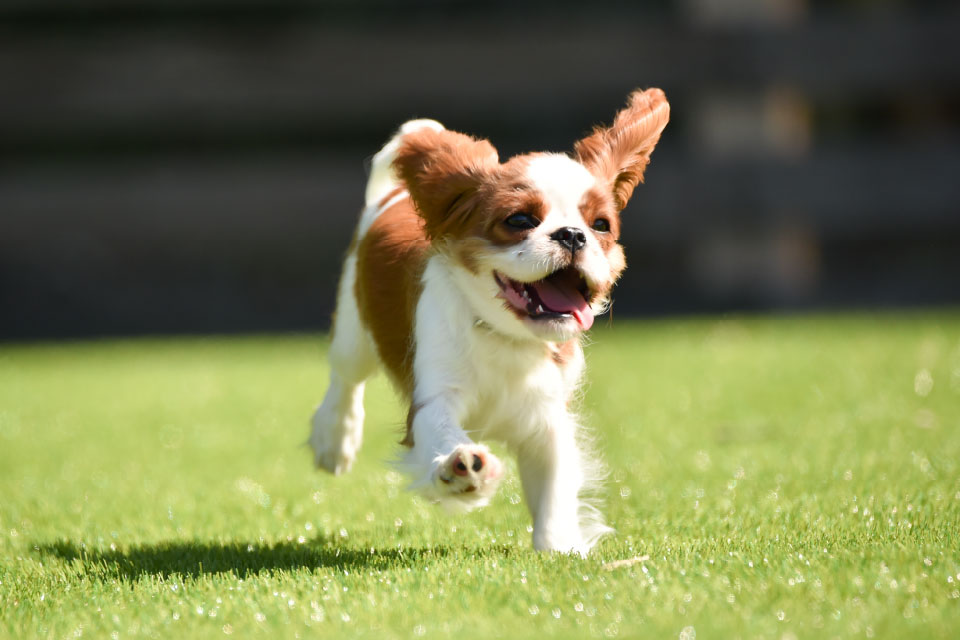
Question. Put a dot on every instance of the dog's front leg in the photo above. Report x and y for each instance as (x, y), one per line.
(554, 472)
(448, 466)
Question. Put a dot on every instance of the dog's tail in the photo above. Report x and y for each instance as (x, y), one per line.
(382, 178)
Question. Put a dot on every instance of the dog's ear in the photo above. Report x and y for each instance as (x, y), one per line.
(619, 154)
(442, 170)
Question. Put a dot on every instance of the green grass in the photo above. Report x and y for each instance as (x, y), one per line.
(770, 477)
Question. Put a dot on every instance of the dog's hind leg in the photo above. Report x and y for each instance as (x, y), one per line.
(338, 422)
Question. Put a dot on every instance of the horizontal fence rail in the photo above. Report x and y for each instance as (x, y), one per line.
(196, 166)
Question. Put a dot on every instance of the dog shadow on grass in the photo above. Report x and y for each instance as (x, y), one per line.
(241, 559)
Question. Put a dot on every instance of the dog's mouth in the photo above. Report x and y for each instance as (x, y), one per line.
(562, 295)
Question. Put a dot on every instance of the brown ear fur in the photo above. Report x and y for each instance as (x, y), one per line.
(442, 170)
(620, 154)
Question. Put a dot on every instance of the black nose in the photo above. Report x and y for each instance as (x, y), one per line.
(570, 237)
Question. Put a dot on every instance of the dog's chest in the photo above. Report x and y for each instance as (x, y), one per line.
(516, 387)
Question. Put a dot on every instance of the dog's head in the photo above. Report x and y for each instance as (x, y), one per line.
(534, 239)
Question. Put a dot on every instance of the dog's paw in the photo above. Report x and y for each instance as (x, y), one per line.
(335, 440)
(470, 474)
(566, 541)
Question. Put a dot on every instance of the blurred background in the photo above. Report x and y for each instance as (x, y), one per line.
(198, 165)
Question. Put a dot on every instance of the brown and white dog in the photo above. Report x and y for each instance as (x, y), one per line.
(471, 281)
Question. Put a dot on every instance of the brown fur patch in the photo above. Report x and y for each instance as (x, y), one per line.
(511, 193)
(597, 204)
(563, 353)
(390, 261)
(485, 229)
(443, 171)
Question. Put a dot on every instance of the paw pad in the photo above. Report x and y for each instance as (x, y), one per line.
(470, 469)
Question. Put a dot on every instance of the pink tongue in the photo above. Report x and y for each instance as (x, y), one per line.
(564, 301)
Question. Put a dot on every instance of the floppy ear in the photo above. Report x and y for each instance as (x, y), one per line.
(442, 171)
(619, 154)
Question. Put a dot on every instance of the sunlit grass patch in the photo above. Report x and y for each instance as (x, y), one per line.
(769, 477)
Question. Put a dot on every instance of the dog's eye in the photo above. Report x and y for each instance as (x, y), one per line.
(601, 224)
(521, 221)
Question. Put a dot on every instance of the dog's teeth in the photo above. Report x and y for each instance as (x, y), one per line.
(539, 308)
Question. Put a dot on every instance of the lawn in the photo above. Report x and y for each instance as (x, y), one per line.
(770, 477)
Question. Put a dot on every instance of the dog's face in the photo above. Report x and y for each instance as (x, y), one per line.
(536, 238)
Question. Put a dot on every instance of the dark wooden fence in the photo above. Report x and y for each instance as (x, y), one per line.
(198, 166)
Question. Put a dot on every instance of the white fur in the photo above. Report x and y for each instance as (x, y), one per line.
(564, 182)
(472, 383)
(338, 422)
(479, 373)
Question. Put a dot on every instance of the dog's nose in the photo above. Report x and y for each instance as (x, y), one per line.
(570, 238)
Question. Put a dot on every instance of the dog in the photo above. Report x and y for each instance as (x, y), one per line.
(471, 282)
